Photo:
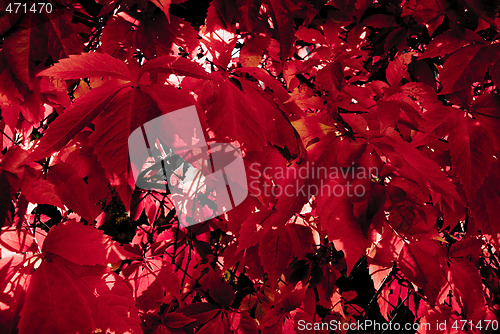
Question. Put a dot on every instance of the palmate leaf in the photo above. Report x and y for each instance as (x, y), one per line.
(297, 84)
(115, 108)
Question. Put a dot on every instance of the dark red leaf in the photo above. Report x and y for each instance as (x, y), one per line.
(221, 292)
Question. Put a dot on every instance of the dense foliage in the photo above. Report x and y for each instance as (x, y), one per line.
(395, 102)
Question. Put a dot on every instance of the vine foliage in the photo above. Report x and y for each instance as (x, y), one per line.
(407, 90)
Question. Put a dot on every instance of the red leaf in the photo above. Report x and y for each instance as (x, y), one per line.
(379, 21)
(305, 98)
(273, 321)
(466, 249)
(414, 166)
(77, 299)
(75, 119)
(293, 298)
(117, 36)
(131, 108)
(15, 276)
(336, 216)
(164, 5)
(463, 256)
(485, 205)
(448, 42)
(17, 53)
(231, 115)
(14, 240)
(53, 284)
(242, 323)
(275, 253)
(249, 116)
(331, 75)
(472, 152)
(249, 12)
(423, 72)
(13, 161)
(252, 51)
(63, 35)
(177, 66)
(65, 181)
(38, 190)
(464, 67)
(420, 263)
(217, 324)
(397, 69)
(312, 36)
(202, 312)
(177, 320)
(221, 14)
(88, 65)
(152, 282)
(155, 36)
(300, 236)
(284, 25)
(486, 109)
(82, 244)
(468, 283)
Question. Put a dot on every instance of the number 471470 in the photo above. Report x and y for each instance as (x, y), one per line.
(18, 7)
